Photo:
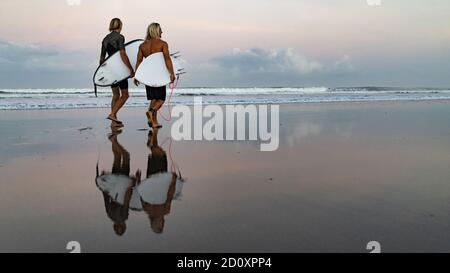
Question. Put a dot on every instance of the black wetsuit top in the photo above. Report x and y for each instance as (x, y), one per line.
(112, 43)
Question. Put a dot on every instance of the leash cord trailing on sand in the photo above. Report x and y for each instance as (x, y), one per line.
(97, 138)
(173, 165)
(172, 86)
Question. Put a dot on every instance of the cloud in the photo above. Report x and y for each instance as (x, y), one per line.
(267, 67)
(344, 64)
(22, 57)
(37, 66)
(263, 61)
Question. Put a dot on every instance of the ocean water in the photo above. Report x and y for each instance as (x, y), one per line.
(17, 99)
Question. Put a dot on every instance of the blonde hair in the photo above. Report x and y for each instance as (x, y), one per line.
(115, 24)
(153, 31)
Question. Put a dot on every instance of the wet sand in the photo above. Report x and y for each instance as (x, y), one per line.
(345, 174)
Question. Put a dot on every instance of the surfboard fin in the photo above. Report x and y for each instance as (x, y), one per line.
(95, 90)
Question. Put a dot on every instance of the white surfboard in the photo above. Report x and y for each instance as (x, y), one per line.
(113, 69)
(153, 70)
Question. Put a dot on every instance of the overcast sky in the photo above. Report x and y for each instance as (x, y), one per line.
(56, 43)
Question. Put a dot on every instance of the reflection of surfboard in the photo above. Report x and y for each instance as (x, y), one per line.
(135, 202)
(115, 186)
(154, 189)
(178, 189)
(113, 69)
(153, 71)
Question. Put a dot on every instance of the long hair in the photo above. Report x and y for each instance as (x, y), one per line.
(115, 24)
(153, 31)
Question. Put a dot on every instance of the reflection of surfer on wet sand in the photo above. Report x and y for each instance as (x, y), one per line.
(161, 187)
(154, 195)
(117, 186)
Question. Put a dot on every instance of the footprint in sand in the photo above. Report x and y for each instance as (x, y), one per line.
(22, 144)
(84, 129)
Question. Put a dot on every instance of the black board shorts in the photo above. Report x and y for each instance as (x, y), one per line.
(156, 93)
(122, 84)
(156, 164)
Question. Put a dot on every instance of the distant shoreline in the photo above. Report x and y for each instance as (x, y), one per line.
(27, 99)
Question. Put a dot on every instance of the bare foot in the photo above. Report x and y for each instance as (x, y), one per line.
(116, 125)
(114, 119)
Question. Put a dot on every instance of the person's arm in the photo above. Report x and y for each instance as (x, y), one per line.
(140, 58)
(124, 56)
(136, 180)
(102, 54)
(126, 61)
(127, 198)
(170, 194)
(168, 61)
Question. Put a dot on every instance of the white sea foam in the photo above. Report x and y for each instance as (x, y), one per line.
(14, 99)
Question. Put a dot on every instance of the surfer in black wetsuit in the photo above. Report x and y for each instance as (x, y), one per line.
(156, 95)
(117, 186)
(112, 43)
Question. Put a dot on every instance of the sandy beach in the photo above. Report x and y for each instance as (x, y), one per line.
(345, 174)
